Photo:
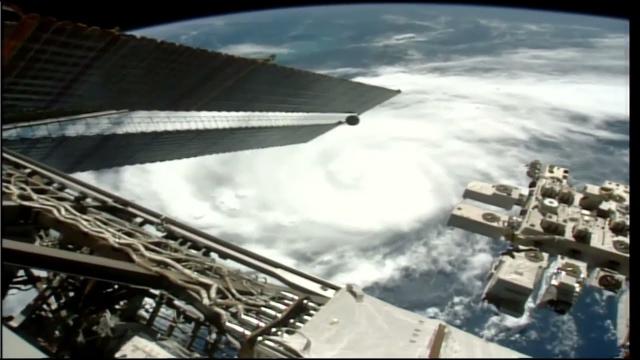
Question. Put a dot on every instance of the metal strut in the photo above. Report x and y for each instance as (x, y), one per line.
(58, 223)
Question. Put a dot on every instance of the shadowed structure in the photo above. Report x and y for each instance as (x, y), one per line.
(58, 74)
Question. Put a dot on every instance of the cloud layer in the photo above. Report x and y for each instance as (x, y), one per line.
(253, 50)
(368, 204)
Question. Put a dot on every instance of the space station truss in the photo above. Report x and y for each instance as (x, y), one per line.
(115, 276)
(586, 231)
(119, 138)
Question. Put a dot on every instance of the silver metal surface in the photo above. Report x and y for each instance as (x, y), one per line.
(54, 66)
(346, 327)
(14, 347)
(580, 230)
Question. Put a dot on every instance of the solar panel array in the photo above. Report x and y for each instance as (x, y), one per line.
(83, 98)
(125, 122)
(52, 65)
(83, 153)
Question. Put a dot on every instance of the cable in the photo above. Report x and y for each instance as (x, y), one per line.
(222, 290)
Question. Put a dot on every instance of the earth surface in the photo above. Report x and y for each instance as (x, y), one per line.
(484, 91)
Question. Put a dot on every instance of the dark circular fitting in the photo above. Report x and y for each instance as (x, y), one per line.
(621, 246)
(609, 282)
(490, 217)
(505, 189)
(606, 190)
(352, 120)
(534, 256)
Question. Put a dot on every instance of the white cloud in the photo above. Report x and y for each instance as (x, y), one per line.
(345, 71)
(333, 206)
(503, 326)
(397, 39)
(612, 334)
(497, 25)
(407, 161)
(253, 50)
(407, 38)
(403, 20)
(565, 345)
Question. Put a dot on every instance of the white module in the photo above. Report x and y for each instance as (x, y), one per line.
(587, 230)
(513, 278)
(567, 280)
